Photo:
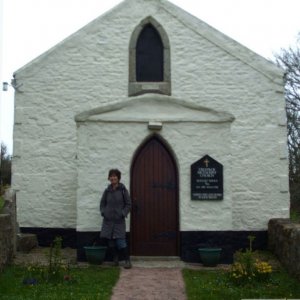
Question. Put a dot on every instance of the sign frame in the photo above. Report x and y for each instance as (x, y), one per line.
(207, 179)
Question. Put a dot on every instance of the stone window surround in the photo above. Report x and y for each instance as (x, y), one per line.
(162, 87)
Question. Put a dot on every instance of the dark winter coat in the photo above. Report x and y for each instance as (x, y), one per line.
(114, 207)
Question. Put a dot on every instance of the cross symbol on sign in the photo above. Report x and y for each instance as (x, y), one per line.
(206, 162)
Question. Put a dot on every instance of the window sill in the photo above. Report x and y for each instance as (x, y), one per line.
(139, 88)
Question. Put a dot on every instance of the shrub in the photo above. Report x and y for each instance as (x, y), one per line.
(246, 268)
(263, 270)
(55, 271)
(55, 268)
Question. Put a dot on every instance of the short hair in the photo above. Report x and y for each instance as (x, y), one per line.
(116, 172)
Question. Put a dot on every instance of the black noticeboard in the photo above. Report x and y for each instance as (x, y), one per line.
(206, 179)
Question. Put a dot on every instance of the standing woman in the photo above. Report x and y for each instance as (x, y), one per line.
(115, 206)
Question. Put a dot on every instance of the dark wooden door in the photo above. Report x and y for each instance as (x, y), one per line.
(154, 192)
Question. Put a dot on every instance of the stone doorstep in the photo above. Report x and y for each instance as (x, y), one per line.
(170, 262)
(157, 262)
(155, 258)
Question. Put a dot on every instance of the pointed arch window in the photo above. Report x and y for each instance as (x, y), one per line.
(149, 56)
(149, 59)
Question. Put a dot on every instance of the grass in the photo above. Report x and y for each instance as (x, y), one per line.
(95, 283)
(90, 283)
(214, 285)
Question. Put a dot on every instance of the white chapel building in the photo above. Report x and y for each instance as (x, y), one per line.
(195, 122)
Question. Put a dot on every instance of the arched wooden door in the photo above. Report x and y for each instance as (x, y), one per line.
(154, 192)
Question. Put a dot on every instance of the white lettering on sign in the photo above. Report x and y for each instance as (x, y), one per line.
(205, 196)
(207, 172)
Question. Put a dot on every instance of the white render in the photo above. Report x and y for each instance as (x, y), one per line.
(74, 121)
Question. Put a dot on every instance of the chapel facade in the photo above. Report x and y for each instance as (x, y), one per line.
(194, 120)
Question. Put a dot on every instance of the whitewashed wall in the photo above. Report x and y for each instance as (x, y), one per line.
(110, 139)
(90, 69)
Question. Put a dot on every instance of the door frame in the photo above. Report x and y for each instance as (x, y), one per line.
(174, 160)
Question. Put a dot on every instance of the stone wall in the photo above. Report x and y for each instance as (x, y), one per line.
(284, 241)
(6, 245)
(8, 228)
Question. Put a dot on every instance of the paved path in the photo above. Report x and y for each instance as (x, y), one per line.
(150, 284)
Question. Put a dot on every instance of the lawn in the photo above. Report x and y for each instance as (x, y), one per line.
(89, 283)
(94, 282)
(215, 285)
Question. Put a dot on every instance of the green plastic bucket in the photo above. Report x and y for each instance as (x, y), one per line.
(95, 254)
(210, 257)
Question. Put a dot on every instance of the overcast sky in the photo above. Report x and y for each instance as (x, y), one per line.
(30, 27)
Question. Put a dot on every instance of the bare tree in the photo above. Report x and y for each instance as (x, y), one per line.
(289, 61)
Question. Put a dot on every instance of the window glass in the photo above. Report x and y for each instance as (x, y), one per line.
(149, 55)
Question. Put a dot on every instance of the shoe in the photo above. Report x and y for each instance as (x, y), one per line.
(124, 253)
(127, 264)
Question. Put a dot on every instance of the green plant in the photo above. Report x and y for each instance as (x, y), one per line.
(55, 272)
(55, 268)
(251, 238)
(262, 270)
(247, 267)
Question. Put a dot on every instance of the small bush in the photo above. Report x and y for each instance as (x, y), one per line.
(246, 268)
(55, 269)
(262, 270)
(55, 272)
